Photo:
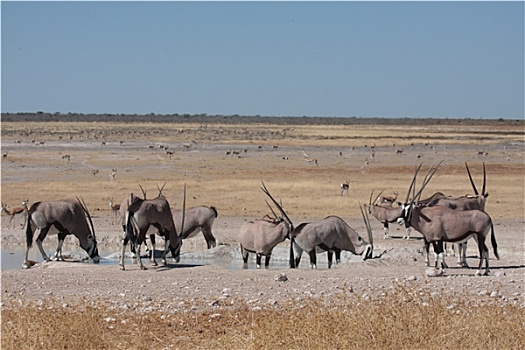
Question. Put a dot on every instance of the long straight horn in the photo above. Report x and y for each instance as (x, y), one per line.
(370, 200)
(160, 190)
(379, 195)
(483, 193)
(183, 211)
(84, 208)
(412, 184)
(273, 212)
(472, 181)
(427, 179)
(265, 190)
(143, 192)
(364, 213)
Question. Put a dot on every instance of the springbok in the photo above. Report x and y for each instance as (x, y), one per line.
(15, 211)
(388, 200)
(63, 217)
(312, 161)
(259, 237)
(344, 187)
(152, 216)
(332, 234)
(386, 214)
(115, 209)
(440, 224)
(198, 219)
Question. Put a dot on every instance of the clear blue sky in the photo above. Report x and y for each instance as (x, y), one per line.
(342, 59)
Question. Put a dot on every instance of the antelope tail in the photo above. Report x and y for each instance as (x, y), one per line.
(493, 241)
(130, 232)
(292, 258)
(29, 231)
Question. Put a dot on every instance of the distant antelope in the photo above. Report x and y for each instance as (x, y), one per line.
(389, 200)
(66, 157)
(15, 211)
(4, 156)
(169, 154)
(115, 208)
(112, 174)
(344, 187)
(305, 155)
(399, 151)
(312, 161)
(94, 172)
(103, 143)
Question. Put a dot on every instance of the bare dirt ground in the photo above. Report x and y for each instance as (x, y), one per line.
(215, 278)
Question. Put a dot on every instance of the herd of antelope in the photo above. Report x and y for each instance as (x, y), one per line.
(439, 219)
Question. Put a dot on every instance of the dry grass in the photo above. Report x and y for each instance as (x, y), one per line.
(404, 319)
(232, 184)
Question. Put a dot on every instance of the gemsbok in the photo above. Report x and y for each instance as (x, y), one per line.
(15, 211)
(198, 219)
(467, 202)
(259, 237)
(441, 224)
(152, 216)
(386, 214)
(65, 217)
(332, 234)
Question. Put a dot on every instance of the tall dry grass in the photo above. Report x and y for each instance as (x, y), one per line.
(404, 319)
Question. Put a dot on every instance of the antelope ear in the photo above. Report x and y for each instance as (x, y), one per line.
(399, 204)
(486, 195)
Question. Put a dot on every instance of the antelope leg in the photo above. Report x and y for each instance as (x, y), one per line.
(152, 252)
(41, 236)
(267, 260)
(330, 257)
(313, 259)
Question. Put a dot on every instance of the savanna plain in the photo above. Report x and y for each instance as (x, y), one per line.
(208, 300)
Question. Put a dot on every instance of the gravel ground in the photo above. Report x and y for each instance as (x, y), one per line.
(215, 278)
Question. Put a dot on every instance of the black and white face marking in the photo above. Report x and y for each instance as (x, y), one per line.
(404, 213)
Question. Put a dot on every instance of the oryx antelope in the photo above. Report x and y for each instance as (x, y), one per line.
(386, 214)
(15, 211)
(112, 174)
(152, 216)
(198, 219)
(259, 237)
(65, 217)
(440, 224)
(466, 202)
(332, 234)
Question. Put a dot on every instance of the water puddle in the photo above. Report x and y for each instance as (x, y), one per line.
(13, 258)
